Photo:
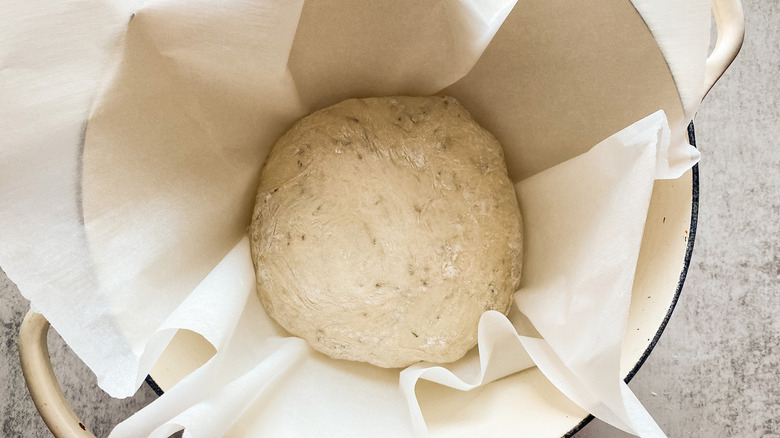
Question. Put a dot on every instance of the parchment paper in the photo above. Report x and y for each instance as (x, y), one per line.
(129, 166)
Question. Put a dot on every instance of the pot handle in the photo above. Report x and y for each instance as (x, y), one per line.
(41, 381)
(730, 22)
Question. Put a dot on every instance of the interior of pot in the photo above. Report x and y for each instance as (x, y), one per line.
(590, 69)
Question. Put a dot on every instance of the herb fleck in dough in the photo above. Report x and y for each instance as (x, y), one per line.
(384, 228)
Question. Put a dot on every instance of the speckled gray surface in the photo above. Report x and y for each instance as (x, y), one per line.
(714, 371)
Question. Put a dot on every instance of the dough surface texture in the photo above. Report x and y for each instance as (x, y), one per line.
(383, 229)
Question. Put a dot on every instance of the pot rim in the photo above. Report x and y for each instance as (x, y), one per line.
(683, 275)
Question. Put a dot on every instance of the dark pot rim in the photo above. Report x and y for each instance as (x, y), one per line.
(683, 274)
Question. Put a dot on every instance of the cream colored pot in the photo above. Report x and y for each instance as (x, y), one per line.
(552, 105)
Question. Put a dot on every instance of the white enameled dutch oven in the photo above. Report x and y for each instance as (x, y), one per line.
(554, 102)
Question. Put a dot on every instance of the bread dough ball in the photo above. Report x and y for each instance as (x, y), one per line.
(384, 228)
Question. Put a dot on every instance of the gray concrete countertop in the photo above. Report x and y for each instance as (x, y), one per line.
(714, 372)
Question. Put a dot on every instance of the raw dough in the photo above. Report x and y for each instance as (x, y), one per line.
(384, 228)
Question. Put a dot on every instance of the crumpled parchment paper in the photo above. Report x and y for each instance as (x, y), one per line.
(134, 137)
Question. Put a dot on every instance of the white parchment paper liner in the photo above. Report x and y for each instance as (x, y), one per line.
(180, 101)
